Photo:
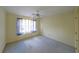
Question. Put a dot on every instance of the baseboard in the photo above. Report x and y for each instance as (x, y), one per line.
(22, 39)
(59, 41)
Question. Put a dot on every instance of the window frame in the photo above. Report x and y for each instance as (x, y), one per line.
(18, 27)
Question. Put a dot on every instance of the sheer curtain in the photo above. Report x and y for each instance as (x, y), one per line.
(25, 26)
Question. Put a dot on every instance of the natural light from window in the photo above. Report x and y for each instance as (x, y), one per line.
(25, 26)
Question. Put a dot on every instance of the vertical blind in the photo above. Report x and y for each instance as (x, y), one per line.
(25, 26)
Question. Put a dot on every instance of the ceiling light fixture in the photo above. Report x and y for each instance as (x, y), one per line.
(36, 15)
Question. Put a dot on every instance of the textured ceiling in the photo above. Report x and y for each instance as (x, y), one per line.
(44, 10)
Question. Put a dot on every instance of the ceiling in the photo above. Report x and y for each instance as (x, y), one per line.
(44, 10)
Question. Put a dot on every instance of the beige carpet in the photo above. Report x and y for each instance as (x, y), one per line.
(39, 44)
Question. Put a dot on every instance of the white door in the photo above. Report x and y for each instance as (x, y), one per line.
(76, 29)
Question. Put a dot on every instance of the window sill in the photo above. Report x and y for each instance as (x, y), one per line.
(26, 33)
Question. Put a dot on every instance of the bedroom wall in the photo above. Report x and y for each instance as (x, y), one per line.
(59, 27)
(2, 29)
(11, 28)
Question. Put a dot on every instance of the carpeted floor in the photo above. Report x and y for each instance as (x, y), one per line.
(39, 44)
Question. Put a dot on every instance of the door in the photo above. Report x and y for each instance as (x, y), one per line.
(76, 29)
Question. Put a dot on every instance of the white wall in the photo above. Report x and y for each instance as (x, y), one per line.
(2, 29)
(11, 28)
(59, 27)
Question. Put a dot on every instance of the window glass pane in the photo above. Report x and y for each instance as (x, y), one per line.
(25, 26)
(34, 26)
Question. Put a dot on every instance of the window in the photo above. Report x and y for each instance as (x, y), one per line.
(24, 26)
